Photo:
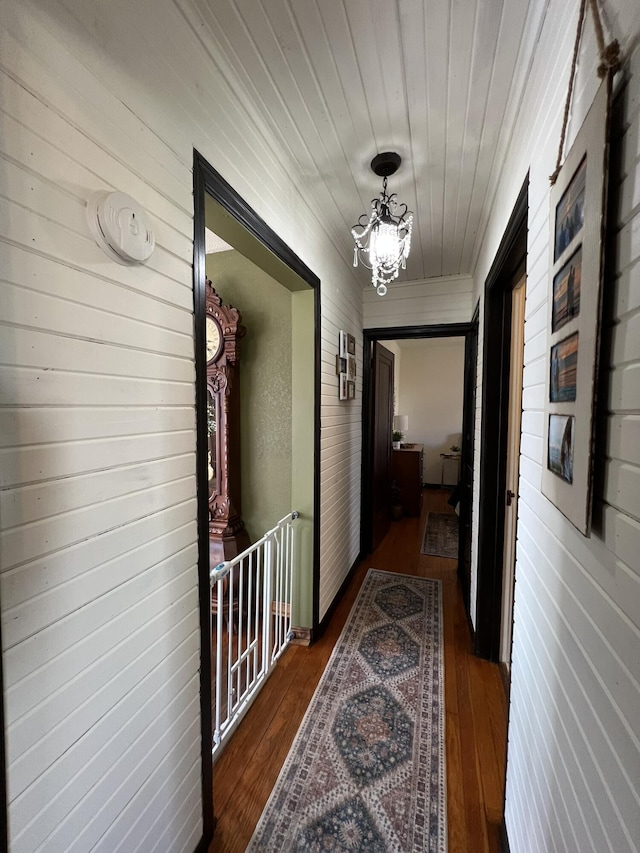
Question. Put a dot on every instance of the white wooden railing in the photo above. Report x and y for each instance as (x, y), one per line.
(250, 623)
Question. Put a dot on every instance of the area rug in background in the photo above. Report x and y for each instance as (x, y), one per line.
(440, 537)
(366, 771)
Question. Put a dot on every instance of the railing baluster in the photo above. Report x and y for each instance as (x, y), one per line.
(230, 645)
(267, 581)
(240, 627)
(255, 616)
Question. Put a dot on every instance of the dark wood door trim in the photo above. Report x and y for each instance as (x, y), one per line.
(381, 428)
(508, 267)
(4, 832)
(437, 330)
(207, 180)
(467, 457)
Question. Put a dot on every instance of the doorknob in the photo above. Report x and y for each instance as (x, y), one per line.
(510, 496)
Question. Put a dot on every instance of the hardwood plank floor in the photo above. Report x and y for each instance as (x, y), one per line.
(475, 708)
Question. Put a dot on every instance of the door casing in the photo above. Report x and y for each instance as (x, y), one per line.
(508, 268)
(440, 330)
(207, 180)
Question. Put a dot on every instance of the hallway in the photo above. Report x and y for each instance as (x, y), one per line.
(476, 711)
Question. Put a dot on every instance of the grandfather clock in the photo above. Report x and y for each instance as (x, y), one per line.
(227, 534)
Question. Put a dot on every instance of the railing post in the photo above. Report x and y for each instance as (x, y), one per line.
(268, 595)
(291, 532)
(219, 620)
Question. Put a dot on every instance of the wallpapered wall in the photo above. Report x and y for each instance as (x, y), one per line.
(265, 382)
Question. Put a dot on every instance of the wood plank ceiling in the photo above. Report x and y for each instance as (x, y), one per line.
(337, 81)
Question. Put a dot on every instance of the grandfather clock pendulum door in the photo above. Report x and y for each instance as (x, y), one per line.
(227, 534)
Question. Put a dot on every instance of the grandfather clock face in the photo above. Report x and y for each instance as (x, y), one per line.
(214, 339)
(223, 333)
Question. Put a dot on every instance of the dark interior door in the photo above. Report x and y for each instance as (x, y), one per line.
(466, 468)
(382, 411)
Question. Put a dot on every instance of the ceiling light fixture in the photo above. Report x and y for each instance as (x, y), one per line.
(383, 241)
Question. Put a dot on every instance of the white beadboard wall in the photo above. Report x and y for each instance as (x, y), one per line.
(97, 429)
(573, 776)
(420, 303)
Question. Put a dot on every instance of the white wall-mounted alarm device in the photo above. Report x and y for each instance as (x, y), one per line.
(120, 227)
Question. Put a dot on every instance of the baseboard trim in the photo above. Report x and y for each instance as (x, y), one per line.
(504, 838)
(204, 843)
(337, 598)
(506, 679)
(301, 637)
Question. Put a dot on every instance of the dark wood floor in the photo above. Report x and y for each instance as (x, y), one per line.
(476, 712)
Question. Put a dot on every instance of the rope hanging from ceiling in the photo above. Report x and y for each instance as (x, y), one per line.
(610, 60)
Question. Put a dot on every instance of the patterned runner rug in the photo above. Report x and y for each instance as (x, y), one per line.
(366, 771)
(440, 537)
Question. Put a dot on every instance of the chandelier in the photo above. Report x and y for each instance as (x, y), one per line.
(383, 241)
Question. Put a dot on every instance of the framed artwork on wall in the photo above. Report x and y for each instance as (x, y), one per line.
(342, 388)
(351, 366)
(576, 261)
(566, 292)
(346, 366)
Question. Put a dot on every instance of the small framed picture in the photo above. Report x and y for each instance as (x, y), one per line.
(342, 387)
(570, 210)
(351, 345)
(566, 291)
(342, 344)
(351, 390)
(351, 366)
(561, 443)
(341, 365)
(564, 370)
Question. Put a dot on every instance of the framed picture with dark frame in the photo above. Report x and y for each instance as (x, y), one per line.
(564, 366)
(569, 216)
(351, 390)
(566, 292)
(351, 366)
(576, 263)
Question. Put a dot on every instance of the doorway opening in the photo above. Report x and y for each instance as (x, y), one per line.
(272, 425)
(376, 479)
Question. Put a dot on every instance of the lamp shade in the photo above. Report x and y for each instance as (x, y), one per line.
(401, 422)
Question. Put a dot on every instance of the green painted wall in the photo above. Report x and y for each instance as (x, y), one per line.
(265, 382)
(302, 448)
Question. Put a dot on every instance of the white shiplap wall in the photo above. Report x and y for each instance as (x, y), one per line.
(573, 778)
(420, 303)
(97, 507)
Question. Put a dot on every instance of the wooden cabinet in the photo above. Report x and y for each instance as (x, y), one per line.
(406, 470)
